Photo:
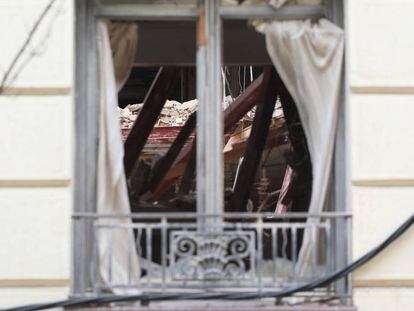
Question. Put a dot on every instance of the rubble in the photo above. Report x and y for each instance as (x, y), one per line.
(174, 113)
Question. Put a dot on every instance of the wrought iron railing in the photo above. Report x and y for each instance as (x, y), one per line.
(239, 251)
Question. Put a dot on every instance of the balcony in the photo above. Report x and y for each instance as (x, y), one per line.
(222, 253)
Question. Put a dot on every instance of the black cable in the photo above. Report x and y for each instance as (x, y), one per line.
(225, 295)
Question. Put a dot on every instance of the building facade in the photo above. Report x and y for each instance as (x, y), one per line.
(37, 153)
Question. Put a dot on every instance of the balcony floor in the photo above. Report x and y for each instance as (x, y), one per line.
(222, 306)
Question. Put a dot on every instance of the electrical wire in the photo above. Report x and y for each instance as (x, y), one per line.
(105, 299)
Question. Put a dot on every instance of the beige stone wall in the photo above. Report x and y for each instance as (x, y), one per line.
(36, 157)
(380, 65)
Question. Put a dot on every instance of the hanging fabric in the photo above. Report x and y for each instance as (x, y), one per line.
(308, 57)
(275, 3)
(278, 3)
(123, 37)
(118, 260)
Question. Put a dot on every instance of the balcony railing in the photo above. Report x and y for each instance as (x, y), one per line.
(233, 251)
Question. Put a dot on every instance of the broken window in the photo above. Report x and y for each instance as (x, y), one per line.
(217, 150)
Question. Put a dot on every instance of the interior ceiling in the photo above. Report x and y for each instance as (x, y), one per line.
(164, 43)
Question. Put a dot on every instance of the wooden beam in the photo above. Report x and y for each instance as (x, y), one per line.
(256, 142)
(154, 101)
(136, 184)
(163, 165)
(233, 113)
(300, 190)
(189, 173)
(243, 104)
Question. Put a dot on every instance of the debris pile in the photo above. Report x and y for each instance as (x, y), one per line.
(173, 114)
(128, 115)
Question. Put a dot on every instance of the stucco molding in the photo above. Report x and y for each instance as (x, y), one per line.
(383, 283)
(36, 91)
(382, 89)
(34, 282)
(10, 183)
(383, 182)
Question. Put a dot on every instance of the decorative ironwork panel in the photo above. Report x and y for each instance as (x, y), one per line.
(173, 254)
(212, 256)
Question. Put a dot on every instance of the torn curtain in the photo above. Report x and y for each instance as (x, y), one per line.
(118, 260)
(308, 57)
(123, 37)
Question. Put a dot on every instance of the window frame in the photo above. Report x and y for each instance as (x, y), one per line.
(209, 61)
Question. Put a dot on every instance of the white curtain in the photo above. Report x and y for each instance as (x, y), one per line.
(275, 3)
(112, 195)
(123, 37)
(308, 57)
(278, 3)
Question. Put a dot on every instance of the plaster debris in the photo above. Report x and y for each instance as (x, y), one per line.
(174, 113)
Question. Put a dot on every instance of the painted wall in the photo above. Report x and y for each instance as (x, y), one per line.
(381, 134)
(36, 153)
(36, 158)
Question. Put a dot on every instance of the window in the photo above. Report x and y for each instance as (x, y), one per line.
(213, 58)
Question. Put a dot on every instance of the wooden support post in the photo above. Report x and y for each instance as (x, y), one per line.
(163, 165)
(298, 159)
(256, 141)
(189, 173)
(300, 188)
(154, 101)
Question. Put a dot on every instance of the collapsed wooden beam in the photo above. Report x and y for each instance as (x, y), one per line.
(299, 190)
(232, 114)
(136, 183)
(163, 165)
(243, 104)
(189, 173)
(154, 101)
(256, 141)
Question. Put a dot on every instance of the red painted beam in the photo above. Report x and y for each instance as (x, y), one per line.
(232, 114)
(164, 164)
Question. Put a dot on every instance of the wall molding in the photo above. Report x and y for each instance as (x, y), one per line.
(11, 183)
(382, 89)
(34, 282)
(36, 91)
(383, 283)
(383, 182)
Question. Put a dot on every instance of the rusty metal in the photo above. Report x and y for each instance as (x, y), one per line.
(189, 173)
